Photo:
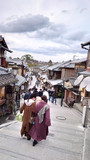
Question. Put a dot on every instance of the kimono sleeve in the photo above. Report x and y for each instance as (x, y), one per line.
(47, 118)
(33, 107)
(22, 108)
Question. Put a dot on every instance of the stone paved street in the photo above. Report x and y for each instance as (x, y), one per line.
(64, 142)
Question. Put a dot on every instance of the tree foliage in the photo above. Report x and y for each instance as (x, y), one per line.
(10, 57)
(27, 58)
(50, 62)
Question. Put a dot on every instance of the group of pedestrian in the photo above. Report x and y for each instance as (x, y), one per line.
(52, 95)
(36, 116)
(33, 90)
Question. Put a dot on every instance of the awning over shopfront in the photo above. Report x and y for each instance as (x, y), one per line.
(55, 82)
(21, 80)
(78, 80)
(86, 83)
(85, 73)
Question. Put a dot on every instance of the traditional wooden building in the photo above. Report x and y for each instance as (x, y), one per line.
(54, 71)
(72, 92)
(80, 65)
(84, 85)
(3, 50)
(22, 74)
(7, 81)
(58, 73)
(22, 67)
(68, 69)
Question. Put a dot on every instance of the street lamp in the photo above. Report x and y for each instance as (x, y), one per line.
(14, 71)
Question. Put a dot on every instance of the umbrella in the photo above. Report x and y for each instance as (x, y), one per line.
(78, 80)
(85, 83)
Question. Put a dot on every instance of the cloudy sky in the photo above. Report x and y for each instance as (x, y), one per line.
(46, 29)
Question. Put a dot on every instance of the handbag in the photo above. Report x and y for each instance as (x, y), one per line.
(20, 117)
(32, 120)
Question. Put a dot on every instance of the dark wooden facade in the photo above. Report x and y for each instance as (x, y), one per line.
(3, 49)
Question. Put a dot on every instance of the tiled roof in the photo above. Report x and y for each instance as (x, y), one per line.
(58, 66)
(2, 40)
(1, 46)
(21, 80)
(79, 60)
(86, 73)
(69, 65)
(13, 61)
(16, 61)
(54, 66)
(72, 80)
(44, 67)
(6, 77)
(3, 71)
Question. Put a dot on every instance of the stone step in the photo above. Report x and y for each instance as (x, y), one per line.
(78, 107)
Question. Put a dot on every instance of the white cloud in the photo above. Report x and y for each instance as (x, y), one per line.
(47, 30)
(42, 57)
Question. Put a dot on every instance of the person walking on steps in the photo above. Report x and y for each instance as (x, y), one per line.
(54, 95)
(39, 130)
(29, 109)
(45, 92)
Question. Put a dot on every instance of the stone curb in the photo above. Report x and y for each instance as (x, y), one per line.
(7, 124)
(84, 145)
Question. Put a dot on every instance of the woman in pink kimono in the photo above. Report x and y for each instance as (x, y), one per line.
(39, 131)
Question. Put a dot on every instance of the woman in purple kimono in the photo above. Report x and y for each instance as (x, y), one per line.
(39, 131)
